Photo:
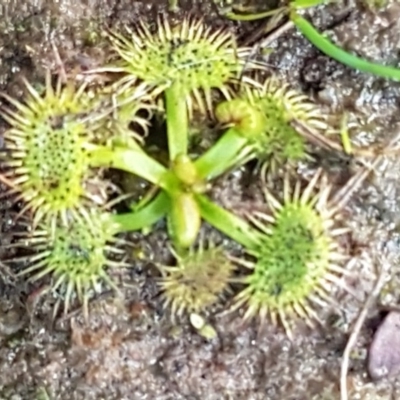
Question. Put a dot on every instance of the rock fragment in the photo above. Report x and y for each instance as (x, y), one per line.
(384, 352)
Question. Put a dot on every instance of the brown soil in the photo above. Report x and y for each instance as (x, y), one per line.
(131, 349)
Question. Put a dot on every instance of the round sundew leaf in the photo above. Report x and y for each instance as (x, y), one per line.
(75, 255)
(292, 258)
(47, 157)
(278, 141)
(189, 55)
(196, 282)
(295, 258)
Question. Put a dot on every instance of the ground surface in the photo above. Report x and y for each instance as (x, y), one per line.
(131, 349)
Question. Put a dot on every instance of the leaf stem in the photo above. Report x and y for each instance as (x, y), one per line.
(228, 151)
(177, 121)
(253, 17)
(228, 223)
(330, 49)
(135, 161)
(144, 217)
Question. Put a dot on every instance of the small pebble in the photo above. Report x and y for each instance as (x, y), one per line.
(384, 352)
(203, 329)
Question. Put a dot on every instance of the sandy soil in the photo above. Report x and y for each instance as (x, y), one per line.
(131, 349)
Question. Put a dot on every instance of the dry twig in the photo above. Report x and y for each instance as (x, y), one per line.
(380, 282)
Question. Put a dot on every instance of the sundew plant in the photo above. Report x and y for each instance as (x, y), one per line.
(64, 138)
